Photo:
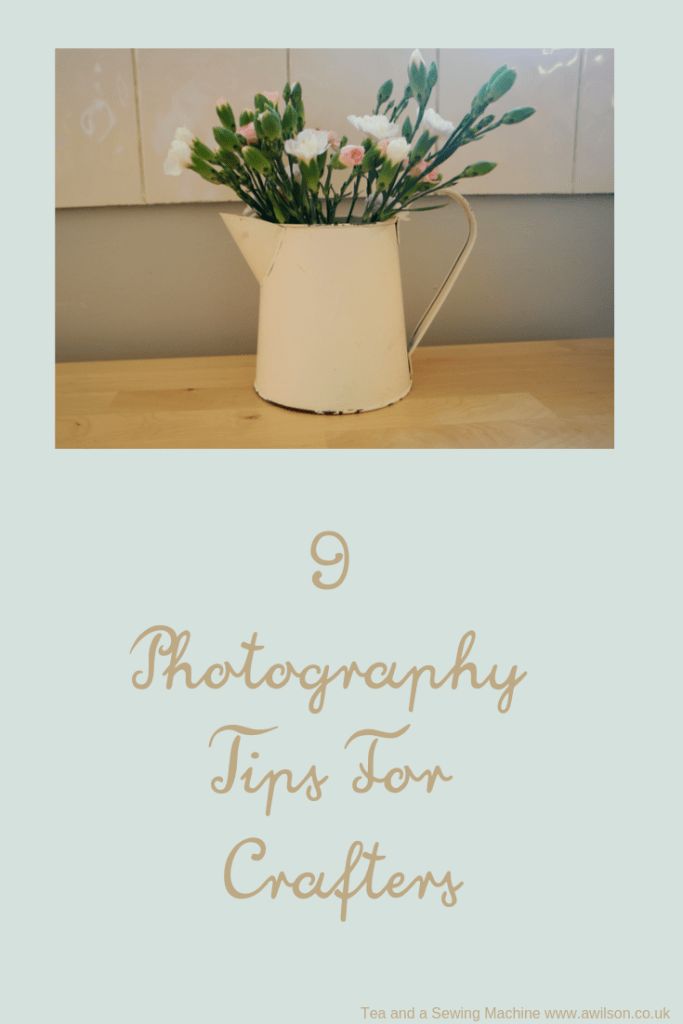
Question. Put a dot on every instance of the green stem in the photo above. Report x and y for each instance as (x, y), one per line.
(355, 197)
(420, 114)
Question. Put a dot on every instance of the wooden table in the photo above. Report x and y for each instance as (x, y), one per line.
(528, 394)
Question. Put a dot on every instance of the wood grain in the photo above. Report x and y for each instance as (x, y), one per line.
(530, 394)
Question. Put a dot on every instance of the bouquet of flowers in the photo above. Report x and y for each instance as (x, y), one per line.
(284, 171)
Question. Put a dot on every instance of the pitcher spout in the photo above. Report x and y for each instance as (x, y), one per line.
(258, 241)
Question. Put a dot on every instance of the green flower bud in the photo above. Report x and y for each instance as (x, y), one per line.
(500, 84)
(484, 123)
(386, 173)
(480, 101)
(226, 116)
(384, 92)
(256, 160)
(246, 117)
(496, 74)
(202, 151)
(296, 98)
(289, 120)
(286, 92)
(226, 139)
(203, 169)
(417, 76)
(310, 173)
(270, 125)
(432, 75)
(477, 170)
(230, 160)
(517, 115)
(370, 158)
(407, 128)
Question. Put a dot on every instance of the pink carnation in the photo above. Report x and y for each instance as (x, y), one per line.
(422, 166)
(351, 156)
(249, 132)
(333, 139)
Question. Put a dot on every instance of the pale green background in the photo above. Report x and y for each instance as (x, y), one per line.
(562, 816)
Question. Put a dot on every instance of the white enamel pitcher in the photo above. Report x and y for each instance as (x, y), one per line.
(331, 332)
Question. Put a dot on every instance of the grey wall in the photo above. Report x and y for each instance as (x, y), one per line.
(134, 282)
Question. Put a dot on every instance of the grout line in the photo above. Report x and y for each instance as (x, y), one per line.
(579, 79)
(288, 65)
(438, 82)
(138, 122)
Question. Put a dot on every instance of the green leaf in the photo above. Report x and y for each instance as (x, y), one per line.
(256, 160)
(477, 170)
(226, 139)
(422, 146)
(226, 116)
(279, 214)
(423, 209)
(407, 129)
(384, 92)
(517, 115)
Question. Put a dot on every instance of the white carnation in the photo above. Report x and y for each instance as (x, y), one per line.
(437, 123)
(397, 150)
(377, 125)
(308, 144)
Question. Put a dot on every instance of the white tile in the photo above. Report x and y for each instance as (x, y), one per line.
(97, 157)
(594, 168)
(180, 87)
(536, 155)
(337, 83)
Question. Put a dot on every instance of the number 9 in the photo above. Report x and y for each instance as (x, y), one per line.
(340, 556)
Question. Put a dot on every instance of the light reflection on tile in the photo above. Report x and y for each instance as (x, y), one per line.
(96, 140)
(536, 155)
(594, 168)
(180, 88)
(337, 83)
(98, 150)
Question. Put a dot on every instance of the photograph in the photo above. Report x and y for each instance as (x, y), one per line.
(334, 248)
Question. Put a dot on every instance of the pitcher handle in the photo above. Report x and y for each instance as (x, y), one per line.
(451, 277)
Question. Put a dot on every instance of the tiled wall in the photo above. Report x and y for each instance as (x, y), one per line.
(116, 111)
